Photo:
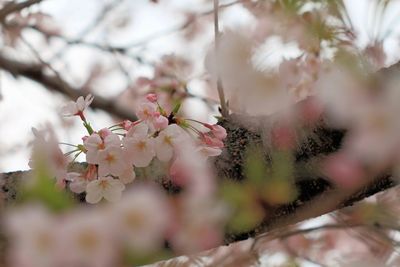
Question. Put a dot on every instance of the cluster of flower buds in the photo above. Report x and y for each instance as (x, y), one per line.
(112, 153)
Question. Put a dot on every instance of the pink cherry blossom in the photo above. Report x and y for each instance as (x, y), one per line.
(151, 98)
(179, 173)
(77, 108)
(32, 235)
(87, 240)
(166, 140)
(127, 125)
(127, 176)
(160, 122)
(46, 151)
(142, 218)
(79, 181)
(344, 171)
(146, 111)
(111, 161)
(95, 143)
(104, 187)
(199, 227)
(139, 148)
(139, 130)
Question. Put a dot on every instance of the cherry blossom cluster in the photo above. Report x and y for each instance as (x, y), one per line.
(88, 237)
(113, 153)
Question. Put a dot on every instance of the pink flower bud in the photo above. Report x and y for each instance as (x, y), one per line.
(151, 98)
(217, 130)
(178, 173)
(210, 141)
(127, 125)
(284, 137)
(85, 138)
(344, 171)
(310, 110)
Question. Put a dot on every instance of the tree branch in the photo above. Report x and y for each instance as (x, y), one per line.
(36, 72)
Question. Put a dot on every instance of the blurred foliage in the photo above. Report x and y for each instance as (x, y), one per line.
(42, 188)
(265, 184)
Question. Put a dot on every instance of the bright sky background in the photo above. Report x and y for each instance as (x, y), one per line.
(26, 104)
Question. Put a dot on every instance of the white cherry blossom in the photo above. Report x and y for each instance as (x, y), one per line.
(139, 148)
(94, 144)
(33, 239)
(111, 161)
(104, 187)
(166, 140)
(127, 176)
(146, 111)
(78, 182)
(140, 129)
(142, 216)
(86, 240)
(76, 108)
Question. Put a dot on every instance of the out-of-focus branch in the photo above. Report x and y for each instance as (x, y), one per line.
(125, 49)
(15, 6)
(106, 10)
(37, 73)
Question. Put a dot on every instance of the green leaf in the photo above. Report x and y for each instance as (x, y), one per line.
(283, 164)
(176, 108)
(42, 188)
(246, 211)
(255, 167)
(245, 219)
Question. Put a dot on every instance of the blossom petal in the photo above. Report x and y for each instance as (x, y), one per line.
(94, 192)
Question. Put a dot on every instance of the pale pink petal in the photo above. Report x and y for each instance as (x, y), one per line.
(78, 185)
(210, 151)
(69, 109)
(140, 131)
(80, 103)
(92, 156)
(114, 191)
(127, 176)
(89, 99)
(164, 150)
(94, 192)
(160, 123)
(112, 140)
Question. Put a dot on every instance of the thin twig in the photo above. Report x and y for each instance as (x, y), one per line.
(106, 10)
(224, 110)
(37, 73)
